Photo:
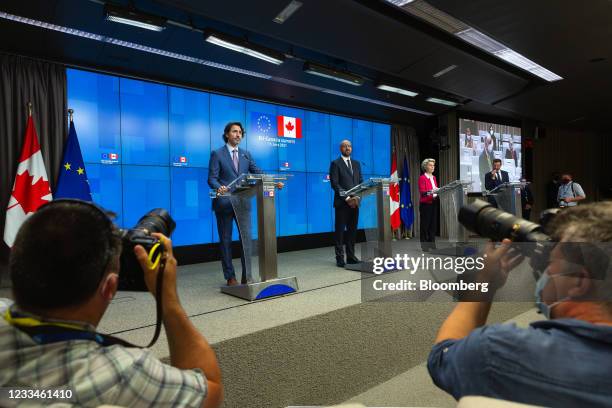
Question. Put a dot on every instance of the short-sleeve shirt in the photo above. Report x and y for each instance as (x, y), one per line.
(560, 362)
(565, 191)
(114, 375)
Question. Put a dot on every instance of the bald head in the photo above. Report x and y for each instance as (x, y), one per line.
(346, 148)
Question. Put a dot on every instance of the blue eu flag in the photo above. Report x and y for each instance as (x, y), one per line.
(406, 210)
(72, 181)
(262, 124)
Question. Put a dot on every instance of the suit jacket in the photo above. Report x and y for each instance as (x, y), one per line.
(484, 165)
(425, 186)
(490, 184)
(341, 179)
(526, 196)
(511, 154)
(221, 172)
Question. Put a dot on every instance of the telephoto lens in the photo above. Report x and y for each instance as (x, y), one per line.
(159, 220)
(489, 222)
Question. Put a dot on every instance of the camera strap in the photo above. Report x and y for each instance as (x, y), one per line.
(53, 331)
(46, 332)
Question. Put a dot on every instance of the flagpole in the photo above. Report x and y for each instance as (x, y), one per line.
(70, 113)
(29, 108)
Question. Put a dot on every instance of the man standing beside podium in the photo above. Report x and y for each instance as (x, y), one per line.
(345, 174)
(494, 178)
(226, 164)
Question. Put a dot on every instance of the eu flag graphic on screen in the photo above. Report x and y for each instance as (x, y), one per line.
(262, 124)
(72, 181)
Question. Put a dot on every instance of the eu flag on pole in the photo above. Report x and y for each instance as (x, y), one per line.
(406, 210)
(72, 182)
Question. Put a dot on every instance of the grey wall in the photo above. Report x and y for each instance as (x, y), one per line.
(586, 155)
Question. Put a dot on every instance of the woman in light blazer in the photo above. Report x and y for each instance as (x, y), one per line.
(428, 208)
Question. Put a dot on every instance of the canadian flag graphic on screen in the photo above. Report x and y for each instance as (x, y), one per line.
(289, 127)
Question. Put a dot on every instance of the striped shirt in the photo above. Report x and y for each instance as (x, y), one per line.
(96, 375)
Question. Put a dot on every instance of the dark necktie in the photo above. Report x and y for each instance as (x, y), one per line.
(348, 163)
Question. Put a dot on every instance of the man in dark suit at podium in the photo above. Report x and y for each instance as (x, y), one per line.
(494, 178)
(345, 174)
(226, 164)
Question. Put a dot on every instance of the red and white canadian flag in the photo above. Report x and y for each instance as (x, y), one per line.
(289, 127)
(31, 188)
(394, 196)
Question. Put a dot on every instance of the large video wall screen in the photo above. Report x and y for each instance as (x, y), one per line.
(147, 145)
(482, 142)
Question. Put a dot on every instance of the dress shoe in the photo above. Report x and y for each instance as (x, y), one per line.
(353, 260)
(340, 263)
(232, 282)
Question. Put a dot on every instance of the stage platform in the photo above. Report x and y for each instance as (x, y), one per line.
(320, 346)
(323, 287)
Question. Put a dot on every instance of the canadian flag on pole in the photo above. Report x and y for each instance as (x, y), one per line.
(31, 188)
(289, 127)
(394, 196)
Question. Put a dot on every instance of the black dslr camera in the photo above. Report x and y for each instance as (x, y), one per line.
(159, 220)
(487, 221)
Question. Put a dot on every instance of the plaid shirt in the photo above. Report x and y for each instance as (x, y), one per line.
(97, 375)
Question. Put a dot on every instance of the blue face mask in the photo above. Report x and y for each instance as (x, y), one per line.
(540, 285)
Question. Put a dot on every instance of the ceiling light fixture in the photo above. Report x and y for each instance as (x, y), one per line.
(331, 73)
(183, 57)
(390, 88)
(400, 3)
(375, 101)
(134, 18)
(444, 71)
(243, 46)
(287, 11)
(442, 101)
(450, 24)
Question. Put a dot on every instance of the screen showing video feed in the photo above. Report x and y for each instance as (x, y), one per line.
(482, 142)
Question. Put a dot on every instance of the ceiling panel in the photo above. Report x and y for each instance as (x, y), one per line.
(471, 79)
(367, 37)
(355, 33)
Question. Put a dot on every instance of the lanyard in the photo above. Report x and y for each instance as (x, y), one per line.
(46, 332)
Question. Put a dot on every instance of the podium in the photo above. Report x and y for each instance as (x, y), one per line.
(452, 197)
(378, 240)
(240, 193)
(508, 197)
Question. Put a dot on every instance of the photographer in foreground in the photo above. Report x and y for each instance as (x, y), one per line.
(64, 268)
(563, 361)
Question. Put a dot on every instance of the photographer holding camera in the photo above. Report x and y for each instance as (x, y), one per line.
(562, 361)
(570, 192)
(64, 268)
